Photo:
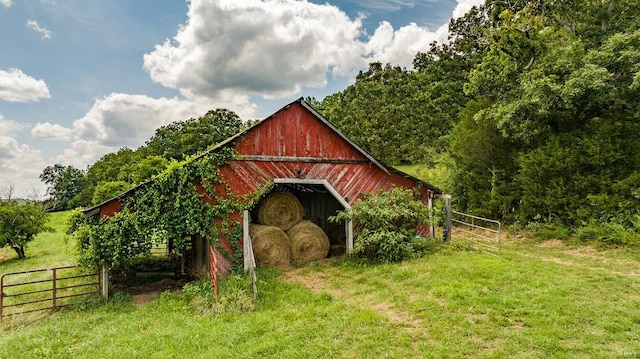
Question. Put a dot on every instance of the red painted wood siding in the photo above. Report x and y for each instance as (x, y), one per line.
(296, 132)
(350, 180)
(110, 208)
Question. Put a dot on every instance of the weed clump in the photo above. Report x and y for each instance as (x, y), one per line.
(234, 296)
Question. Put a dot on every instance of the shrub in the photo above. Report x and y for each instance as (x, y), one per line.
(546, 231)
(385, 224)
(234, 295)
(615, 232)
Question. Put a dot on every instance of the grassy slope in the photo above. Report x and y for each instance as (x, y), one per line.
(47, 250)
(536, 301)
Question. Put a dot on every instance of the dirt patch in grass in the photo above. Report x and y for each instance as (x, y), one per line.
(318, 282)
(584, 257)
(551, 243)
(4, 255)
(144, 293)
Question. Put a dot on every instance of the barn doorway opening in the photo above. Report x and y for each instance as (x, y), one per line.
(319, 201)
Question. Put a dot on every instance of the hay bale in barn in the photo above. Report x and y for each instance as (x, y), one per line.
(308, 242)
(271, 246)
(280, 209)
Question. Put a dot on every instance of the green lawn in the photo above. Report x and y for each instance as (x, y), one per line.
(538, 300)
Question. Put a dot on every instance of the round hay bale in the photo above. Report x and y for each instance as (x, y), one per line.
(308, 242)
(271, 246)
(280, 209)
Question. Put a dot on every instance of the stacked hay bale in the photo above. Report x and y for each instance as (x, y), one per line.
(271, 246)
(282, 235)
(308, 242)
(280, 209)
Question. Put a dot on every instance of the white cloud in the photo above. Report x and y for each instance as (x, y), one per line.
(6, 3)
(19, 163)
(33, 24)
(464, 6)
(8, 127)
(252, 46)
(82, 153)
(128, 120)
(274, 48)
(16, 86)
(401, 46)
(49, 131)
(119, 120)
(13, 160)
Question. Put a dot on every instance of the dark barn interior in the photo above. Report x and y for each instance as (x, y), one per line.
(319, 204)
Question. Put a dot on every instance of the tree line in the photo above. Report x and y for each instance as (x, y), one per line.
(530, 113)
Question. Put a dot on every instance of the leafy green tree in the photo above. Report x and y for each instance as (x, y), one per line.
(114, 166)
(146, 168)
(552, 125)
(181, 139)
(64, 183)
(107, 190)
(20, 223)
(386, 113)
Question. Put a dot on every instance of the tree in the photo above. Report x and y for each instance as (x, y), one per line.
(181, 139)
(19, 224)
(107, 190)
(64, 183)
(389, 113)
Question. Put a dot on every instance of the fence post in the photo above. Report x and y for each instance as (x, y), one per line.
(1, 296)
(54, 286)
(104, 282)
(432, 227)
(447, 205)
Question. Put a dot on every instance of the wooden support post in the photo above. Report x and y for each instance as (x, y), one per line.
(104, 282)
(246, 240)
(349, 229)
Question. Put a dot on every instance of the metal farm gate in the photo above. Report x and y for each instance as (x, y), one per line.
(44, 289)
(482, 233)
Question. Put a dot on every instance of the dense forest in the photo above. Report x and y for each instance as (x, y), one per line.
(530, 114)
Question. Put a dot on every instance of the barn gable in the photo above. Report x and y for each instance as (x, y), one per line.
(298, 143)
(298, 132)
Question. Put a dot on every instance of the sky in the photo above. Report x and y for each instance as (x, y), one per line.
(83, 78)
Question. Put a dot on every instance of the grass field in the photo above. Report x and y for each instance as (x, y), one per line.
(538, 300)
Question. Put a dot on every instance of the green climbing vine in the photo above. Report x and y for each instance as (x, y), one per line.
(179, 203)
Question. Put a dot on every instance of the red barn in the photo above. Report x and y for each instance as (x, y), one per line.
(302, 153)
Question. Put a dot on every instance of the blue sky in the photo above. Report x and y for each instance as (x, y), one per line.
(81, 78)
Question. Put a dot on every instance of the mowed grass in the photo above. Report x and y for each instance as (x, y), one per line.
(538, 300)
